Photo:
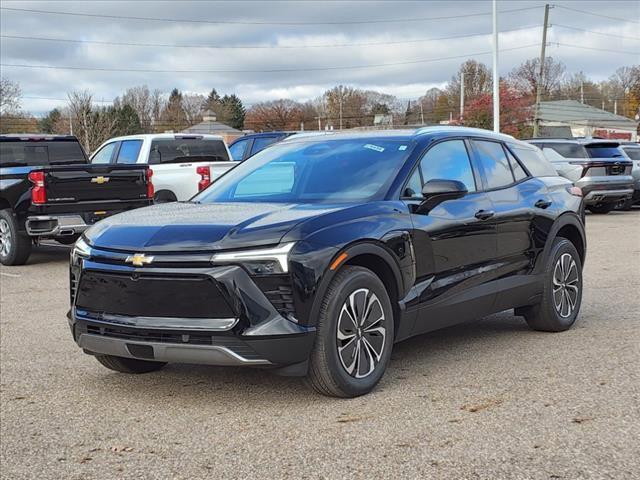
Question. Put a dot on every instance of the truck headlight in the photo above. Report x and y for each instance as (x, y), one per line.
(259, 261)
(81, 249)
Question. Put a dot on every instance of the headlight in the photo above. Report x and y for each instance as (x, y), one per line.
(259, 261)
(81, 249)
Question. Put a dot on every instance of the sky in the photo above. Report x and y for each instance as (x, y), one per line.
(298, 49)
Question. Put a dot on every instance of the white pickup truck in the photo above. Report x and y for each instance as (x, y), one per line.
(182, 164)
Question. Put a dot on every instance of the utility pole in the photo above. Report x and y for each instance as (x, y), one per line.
(581, 92)
(421, 113)
(341, 94)
(615, 106)
(461, 97)
(496, 76)
(536, 121)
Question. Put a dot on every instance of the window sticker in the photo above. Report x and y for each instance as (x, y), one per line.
(374, 147)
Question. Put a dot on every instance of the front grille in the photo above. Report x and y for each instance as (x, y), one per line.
(73, 282)
(167, 336)
(151, 295)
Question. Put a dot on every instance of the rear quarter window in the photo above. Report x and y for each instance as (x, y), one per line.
(40, 153)
(632, 152)
(534, 161)
(179, 150)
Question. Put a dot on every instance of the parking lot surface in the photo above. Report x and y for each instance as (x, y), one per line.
(490, 399)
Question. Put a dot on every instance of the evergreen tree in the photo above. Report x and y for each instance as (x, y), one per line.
(232, 112)
(48, 123)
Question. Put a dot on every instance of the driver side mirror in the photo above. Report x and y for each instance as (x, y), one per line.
(437, 191)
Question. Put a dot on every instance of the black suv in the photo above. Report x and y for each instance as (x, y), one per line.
(316, 255)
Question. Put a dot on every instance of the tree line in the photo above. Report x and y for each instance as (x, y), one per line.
(141, 110)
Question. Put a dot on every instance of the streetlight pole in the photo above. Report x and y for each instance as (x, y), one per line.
(496, 76)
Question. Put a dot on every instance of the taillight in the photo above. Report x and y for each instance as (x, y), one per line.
(150, 190)
(39, 190)
(575, 191)
(205, 174)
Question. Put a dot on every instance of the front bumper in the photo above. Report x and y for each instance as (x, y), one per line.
(242, 327)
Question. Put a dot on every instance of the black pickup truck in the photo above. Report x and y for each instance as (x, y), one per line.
(48, 189)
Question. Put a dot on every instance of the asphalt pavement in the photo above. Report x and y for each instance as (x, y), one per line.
(484, 400)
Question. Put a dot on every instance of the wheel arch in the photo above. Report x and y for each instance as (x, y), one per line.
(374, 256)
(568, 226)
(165, 195)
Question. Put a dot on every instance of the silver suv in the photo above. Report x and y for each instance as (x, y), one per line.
(632, 151)
(598, 167)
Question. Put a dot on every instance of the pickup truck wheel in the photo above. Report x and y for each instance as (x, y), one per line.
(562, 293)
(602, 208)
(15, 247)
(129, 365)
(354, 335)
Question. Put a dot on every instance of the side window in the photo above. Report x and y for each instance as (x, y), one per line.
(414, 186)
(448, 160)
(237, 149)
(104, 154)
(494, 163)
(129, 150)
(261, 143)
(516, 168)
(534, 161)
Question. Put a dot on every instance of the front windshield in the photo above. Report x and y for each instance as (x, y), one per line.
(349, 170)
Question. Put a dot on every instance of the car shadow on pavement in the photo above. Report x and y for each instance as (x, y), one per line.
(198, 384)
(49, 253)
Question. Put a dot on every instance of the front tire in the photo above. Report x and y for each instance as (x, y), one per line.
(15, 246)
(562, 294)
(355, 333)
(129, 365)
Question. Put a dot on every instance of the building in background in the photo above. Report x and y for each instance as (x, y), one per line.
(567, 118)
(210, 126)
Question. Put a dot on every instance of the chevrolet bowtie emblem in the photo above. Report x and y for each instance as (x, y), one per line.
(100, 180)
(139, 259)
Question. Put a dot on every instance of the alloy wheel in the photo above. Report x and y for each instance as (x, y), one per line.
(566, 285)
(361, 333)
(5, 238)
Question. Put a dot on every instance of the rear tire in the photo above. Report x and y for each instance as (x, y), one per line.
(562, 294)
(601, 208)
(15, 246)
(349, 357)
(129, 365)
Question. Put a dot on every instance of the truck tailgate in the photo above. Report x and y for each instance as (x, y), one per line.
(95, 183)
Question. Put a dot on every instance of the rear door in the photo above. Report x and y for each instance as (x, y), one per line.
(524, 212)
(454, 244)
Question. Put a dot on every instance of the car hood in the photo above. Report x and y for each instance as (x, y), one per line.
(184, 226)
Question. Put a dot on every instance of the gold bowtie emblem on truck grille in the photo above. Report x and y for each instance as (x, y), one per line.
(100, 180)
(139, 259)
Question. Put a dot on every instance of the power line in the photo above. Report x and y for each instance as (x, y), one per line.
(335, 45)
(62, 99)
(595, 32)
(274, 70)
(243, 22)
(595, 14)
(593, 48)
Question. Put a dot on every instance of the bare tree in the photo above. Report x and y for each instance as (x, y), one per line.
(524, 78)
(477, 82)
(91, 125)
(142, 101)
(281, 114)
(192, 106)
(10, 94)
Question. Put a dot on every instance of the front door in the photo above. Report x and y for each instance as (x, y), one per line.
(454, 243)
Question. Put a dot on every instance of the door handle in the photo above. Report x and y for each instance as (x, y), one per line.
(543, 203)
(484, 214)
